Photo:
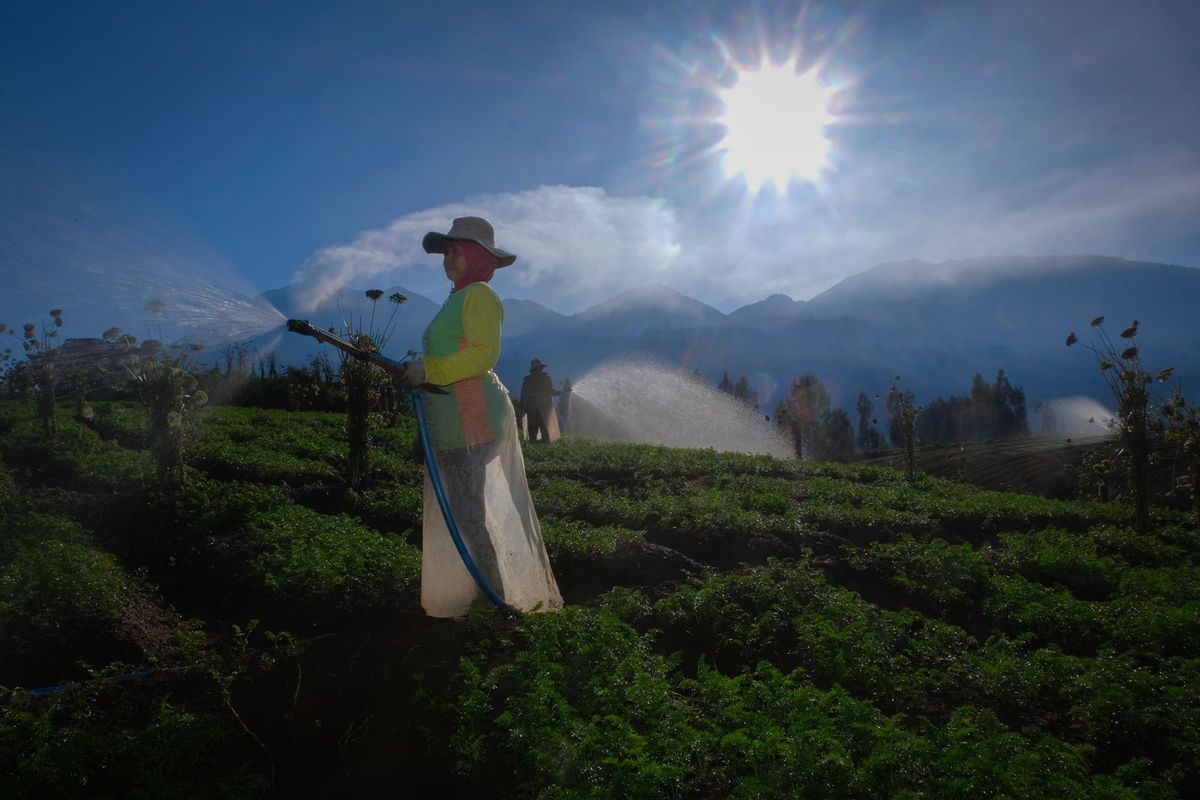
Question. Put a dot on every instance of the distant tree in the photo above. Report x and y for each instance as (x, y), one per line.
(984, 416)
(312, 387)
(1009, 402)
(725, 385)
(869, 439)
(987, 411)
(268, 365)
(808, 403)
(781, 418)
(837, 436)
(235, 358)
(743, 392)
(903, 411)
(945, 419)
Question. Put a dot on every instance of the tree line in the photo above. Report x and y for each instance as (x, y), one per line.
(823, 432)
(38, 365)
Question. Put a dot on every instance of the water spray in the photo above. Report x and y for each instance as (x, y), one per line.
(308, 329)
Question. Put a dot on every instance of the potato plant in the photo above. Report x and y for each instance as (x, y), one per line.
(739, 626)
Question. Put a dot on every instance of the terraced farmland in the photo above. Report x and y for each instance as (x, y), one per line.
(737, 626)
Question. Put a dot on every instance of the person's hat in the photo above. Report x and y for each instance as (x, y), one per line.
(472, 229)
(536, 364)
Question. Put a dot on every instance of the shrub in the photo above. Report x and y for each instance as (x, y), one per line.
(60, 599)
(954, 577)
(398, 508)
(581, 540)
(1056, 557)
(89, 740)
(306, 556)
(77, 457)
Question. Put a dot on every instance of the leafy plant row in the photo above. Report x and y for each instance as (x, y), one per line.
(826, 696)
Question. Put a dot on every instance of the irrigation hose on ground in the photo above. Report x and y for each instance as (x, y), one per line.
(436, 480)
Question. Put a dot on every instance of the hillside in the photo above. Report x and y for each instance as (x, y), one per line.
(1022, 303)
(737, 626)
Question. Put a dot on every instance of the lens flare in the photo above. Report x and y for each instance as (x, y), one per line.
(775, 122)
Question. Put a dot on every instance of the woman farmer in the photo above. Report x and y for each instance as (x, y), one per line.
(473, 435)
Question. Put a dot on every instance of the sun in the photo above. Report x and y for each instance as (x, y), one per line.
(775, 121)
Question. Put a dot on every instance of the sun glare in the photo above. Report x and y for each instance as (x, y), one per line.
(775, 124)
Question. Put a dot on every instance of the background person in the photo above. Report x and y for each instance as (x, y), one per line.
(473, 434)
(537, 401)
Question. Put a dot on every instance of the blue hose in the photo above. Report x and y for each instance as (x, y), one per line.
(436, 480)
(58, 687)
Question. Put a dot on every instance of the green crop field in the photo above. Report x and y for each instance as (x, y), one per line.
(737, 626)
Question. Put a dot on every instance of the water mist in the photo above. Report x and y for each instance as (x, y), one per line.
(653, 404)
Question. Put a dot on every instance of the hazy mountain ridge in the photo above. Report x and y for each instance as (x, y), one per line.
(935, 324)
(646, 309)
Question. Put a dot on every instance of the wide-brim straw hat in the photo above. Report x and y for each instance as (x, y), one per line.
(471, 229)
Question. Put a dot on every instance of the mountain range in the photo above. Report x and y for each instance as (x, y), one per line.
(936, 325)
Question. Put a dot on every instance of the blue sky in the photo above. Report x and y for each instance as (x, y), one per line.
(264, 143)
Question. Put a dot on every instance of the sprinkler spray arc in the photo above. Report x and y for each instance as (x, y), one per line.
(306, 328)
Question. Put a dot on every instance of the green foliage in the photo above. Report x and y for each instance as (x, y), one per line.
(297, 448)
(887, 502)
(1054, 556)
(60, 598)
(1184, 433)
(8, 489)
(946, 642)
(694, 509)
(307, 556)
(77, 458)
(257, 534)
(52, 584)
(578, 704)
(123, 422)
(37, 377)
(581, 540)
(255, 462)
(397, 508)
(1169, 545)
(90, 741)
(951, 577)
(604, 462)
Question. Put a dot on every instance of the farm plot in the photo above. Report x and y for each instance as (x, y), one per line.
(737, 626)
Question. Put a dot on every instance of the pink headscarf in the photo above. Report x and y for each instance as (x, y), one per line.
(481, 264)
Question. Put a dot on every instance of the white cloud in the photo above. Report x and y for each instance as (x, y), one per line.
(1140, 208)
(578, 246)
(575, 244)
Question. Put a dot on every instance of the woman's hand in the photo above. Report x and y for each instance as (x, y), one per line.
(413, 374)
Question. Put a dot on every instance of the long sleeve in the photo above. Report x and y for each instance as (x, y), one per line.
(479, 349)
